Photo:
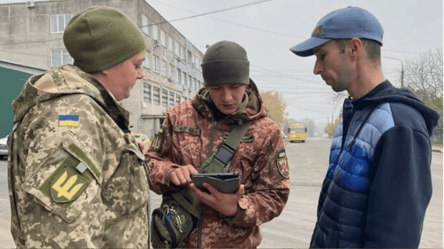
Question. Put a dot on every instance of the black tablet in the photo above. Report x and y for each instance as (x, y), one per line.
(224, 182)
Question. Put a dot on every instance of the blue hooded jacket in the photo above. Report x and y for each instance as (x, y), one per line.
(378, 184)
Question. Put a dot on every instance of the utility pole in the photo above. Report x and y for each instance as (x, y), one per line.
(402, 69)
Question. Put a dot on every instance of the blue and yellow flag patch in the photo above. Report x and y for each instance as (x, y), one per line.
(69, 120)
(281, 153)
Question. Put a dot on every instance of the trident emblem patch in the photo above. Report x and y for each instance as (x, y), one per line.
(67, 185)
(63, 191)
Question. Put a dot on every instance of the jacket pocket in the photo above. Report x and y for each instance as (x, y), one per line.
(127, 189)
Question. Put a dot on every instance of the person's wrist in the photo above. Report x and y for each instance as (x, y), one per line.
(234, 213)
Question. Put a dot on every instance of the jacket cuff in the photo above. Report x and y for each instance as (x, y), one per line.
(240, 213)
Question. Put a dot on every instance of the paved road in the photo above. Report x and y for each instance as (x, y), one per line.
(293, 228)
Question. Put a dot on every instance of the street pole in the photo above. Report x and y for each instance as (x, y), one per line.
(402, 69)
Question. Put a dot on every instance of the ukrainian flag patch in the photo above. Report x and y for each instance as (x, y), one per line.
(281, 153)
(69, 120)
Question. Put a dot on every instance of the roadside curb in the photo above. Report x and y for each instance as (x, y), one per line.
(435, 149)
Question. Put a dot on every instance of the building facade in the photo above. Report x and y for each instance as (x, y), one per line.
(31, 33)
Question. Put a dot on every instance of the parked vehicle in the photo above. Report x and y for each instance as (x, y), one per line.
(4, 149)
(297, 133)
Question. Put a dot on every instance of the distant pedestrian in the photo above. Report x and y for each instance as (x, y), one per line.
(76, 176)
(378, 183)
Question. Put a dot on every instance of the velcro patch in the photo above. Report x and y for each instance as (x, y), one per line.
(191, 130)
(68, 120)
(66, 184)
(282, 163)
(281, 153)
(158, 139)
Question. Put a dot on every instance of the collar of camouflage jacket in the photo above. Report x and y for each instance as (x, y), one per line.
(251, 108)
(66, 79)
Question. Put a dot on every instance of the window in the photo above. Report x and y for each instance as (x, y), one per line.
(147, 92)
(156, 64)
(171, 99)
(156, 95)
(146, 62)
(195, 83)
(164, 68)
(171, 71)
(190, 57)
(190, 82)
(177, 98)
(164, 97)
(57, 23)
(145, 24)
(184, 78)
(163, 38)
(182, 52)
(177, 48)
(179, 76)
(155, 32)
(171, 44)
(60, 57)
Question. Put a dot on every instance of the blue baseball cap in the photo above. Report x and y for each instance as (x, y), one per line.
(342, 24)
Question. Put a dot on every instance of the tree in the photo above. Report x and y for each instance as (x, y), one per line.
(330, 127)
(276, 106)
(424, 77)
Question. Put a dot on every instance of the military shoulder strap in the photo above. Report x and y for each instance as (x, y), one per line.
(219, 162)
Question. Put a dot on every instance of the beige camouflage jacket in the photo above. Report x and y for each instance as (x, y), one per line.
(189, 132)
(75, 177)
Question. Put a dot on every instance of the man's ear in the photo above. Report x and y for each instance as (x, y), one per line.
(356, 47)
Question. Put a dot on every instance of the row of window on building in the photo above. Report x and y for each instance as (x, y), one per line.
(156, 95)
(168, 42)
(61, 56)
(58, 23)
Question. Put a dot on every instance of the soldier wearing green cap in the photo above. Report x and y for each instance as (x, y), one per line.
(76, 176)
(196, 129)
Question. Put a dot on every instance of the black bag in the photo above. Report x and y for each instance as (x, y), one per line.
(171, 223)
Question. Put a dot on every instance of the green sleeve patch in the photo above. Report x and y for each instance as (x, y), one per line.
(78, 152)
(66, 183)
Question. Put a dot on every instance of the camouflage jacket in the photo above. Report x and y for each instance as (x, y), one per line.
(76, 179)
(189, 133)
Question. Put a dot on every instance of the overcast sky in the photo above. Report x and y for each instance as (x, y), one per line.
(268, 29)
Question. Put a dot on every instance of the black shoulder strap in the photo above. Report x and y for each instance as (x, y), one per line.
(218, 162)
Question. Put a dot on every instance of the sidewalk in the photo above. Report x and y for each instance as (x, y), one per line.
(437, 149)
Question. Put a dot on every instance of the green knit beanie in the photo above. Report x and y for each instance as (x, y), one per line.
(100, 37)
(225, 62)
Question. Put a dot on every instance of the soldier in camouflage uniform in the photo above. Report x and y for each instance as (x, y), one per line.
(195, 128)
(76, 176)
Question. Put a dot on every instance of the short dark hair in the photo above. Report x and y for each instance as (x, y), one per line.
(373, 48)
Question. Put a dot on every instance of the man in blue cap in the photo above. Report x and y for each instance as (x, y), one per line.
(378, 183)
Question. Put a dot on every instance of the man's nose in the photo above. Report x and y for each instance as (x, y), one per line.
(226, 95)
(317, 67)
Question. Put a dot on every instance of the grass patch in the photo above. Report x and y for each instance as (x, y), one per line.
(437, 144)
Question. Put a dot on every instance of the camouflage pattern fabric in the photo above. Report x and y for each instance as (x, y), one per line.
(76, 179)
(189, 132)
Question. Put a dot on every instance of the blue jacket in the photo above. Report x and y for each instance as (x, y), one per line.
(378, 183)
